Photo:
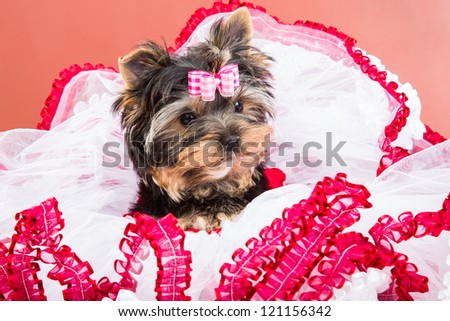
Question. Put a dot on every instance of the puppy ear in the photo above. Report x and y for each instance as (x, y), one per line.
(145, 59)
(236, 31)
(240, 24)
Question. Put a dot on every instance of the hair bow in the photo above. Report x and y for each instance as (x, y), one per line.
(204, 84)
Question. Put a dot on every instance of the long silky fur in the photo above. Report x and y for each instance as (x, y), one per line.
(150, 107)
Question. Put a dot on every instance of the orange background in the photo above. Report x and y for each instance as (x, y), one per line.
(39, 38)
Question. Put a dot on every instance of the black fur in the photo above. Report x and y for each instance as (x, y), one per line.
(155, 202)
(156, 79)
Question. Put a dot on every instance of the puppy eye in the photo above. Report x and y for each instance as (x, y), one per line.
(238, 106)
(187, 118)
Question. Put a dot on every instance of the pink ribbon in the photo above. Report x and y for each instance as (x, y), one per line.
(204, 84)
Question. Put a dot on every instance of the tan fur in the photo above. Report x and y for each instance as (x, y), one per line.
(203, 222)
(131, 65)
(205, 153)
(242, 17)
(127, 74)
(171, 180)
(188, 165)
(253, 141)
(209, 157)
(197, 105)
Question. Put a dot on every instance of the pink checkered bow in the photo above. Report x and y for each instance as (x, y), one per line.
(204, 84)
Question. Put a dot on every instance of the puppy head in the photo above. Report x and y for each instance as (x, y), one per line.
(191, 147)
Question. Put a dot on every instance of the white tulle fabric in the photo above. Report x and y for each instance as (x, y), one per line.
(318, 90)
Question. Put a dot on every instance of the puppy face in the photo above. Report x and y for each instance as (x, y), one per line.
(187, 146)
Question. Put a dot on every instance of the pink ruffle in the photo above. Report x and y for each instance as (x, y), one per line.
(5, 289)
(36, 241)
(391, 131)
(387, 229)
(51, 103)
(433, 137)
(167, 240)
(304, 255)
(342, 256)
(290, 247)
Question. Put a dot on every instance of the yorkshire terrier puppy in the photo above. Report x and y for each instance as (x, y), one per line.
(196, 124)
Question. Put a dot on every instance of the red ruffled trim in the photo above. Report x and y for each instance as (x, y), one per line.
(304, 255)
(51, 103)
(290, 248)
(167, 240)
(22, 273)
(433, 137)
(136, 249)
(5, 289)
(200, 14)
(70, 271)
(173, 277)
(343, 254)
(387, 229)
(236, 283)
(331, 208)
(35, 227)
(391, 131)
(37, 239)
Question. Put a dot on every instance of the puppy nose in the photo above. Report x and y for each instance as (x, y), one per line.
(233, 142)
